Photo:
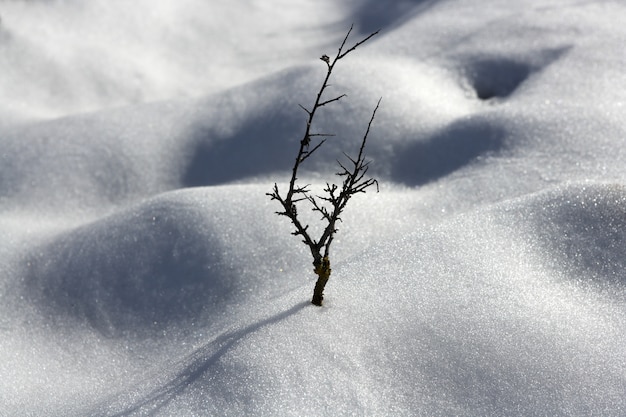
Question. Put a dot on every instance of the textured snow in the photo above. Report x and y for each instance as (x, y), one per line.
(144, 271)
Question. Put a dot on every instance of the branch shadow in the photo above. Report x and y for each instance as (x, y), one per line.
(199, 363)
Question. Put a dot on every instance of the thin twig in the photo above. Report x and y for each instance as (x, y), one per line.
(336, 198)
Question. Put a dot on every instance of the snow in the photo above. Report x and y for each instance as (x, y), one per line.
(144, 271)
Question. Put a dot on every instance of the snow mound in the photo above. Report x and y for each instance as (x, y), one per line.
(582, 232)
(145, 272)
(462, 318)
(169, 259)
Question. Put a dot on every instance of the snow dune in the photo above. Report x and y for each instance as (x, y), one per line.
(144, 271)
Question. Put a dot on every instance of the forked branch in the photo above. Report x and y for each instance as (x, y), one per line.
(331, 204)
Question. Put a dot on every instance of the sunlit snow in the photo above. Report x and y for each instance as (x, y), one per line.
(143, 270)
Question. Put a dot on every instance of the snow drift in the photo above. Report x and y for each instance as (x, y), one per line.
(144, 271)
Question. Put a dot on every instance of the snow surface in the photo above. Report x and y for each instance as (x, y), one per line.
(144, 272)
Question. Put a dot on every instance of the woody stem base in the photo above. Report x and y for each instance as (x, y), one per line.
(323, 273)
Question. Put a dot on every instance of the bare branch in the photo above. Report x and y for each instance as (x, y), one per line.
(322, 134)
(305, 109)
(331, 100)
(369, 125)
(306, 154)
(333, 201)
(343, 43)
(341, 55)
(350, 158)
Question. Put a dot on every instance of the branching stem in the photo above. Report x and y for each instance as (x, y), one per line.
(335, 196)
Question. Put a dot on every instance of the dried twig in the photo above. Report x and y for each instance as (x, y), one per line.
(336, 196)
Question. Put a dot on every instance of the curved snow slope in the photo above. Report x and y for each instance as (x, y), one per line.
(167, 259)
(471, 316)
(144, 271)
